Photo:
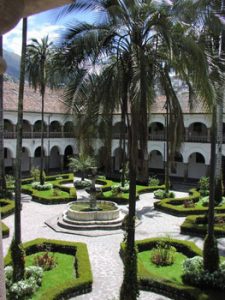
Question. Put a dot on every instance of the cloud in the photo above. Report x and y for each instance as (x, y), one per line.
(36, 29)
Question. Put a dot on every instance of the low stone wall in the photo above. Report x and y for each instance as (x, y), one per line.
(93, 215)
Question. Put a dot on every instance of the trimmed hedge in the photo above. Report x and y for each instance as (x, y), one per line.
(5, 230)
(197, 226)
(152, 282)
(57, 182)
(79, 285)
(8, 208)
(171, 205)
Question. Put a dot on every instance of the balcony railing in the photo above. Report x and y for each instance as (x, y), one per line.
(37, 135)
(197, 138)
(156, 137)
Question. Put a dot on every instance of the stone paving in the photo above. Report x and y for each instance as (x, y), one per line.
(106, 264)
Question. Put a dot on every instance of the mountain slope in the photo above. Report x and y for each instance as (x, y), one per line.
(13, 64)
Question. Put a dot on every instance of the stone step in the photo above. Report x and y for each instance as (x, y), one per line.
(69, 226)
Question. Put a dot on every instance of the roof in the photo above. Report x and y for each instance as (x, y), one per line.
(32, 100)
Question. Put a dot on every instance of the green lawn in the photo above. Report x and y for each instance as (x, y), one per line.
(172, 272)
(63, 272)
(50, 194)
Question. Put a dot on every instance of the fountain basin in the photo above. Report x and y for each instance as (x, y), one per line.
(92, 215)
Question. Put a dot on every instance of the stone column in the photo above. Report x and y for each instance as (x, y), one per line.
(31, 162)
(61, 162)
(185, 171)
(208, 135)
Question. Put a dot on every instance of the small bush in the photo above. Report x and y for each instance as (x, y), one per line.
(204, 186)
(163, 254)
(44, 187)
(194, 274)
(56, 192)
(23, 289)
(82, 184)
(161, 194)
(189, 203)
(205, 201)
(10, 181)
(45, 260)
(153, 181)
(35, 173)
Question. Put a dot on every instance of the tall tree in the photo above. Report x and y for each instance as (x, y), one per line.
(38, 60)
(2, 167)
(143, 35)
(17, 252)
(2, 178)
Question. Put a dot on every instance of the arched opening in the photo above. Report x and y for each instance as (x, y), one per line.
(156, 131)
(54, 158)
(197, 132)
(8, 161)
(67, 154)
(177, 166)
(69, 130)
(37, 129)
(37, 157)
(155, 162)
(55, 129)
(102, 157)
(118, 155)
(8, 129)
(116, 130)
(196, 165)
(25, 160)
(26, 129)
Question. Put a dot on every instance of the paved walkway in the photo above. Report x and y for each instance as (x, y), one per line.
(106, 264)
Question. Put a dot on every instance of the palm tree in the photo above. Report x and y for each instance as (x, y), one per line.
(83, 164)
(2, 168)
(38, 56)
(139, 37)
(17, 252)
(2, 178)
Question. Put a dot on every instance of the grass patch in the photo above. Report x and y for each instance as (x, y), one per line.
(64, 271)
(172, 272)
(50, 194)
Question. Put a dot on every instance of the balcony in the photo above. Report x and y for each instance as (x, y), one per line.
(37, 135)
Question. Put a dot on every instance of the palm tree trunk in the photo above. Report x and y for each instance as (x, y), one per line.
(129, 289)
(2, 167)
(18, 259)
(42, 138)
(167, 183)
(210, 250)
(2, 180)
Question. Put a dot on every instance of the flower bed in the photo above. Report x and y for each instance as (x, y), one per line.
(158, 281)
(197, 225)
(190, 205)
(67, 288)
(7, 207)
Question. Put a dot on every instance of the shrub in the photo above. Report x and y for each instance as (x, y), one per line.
(44, 187)
(73, 192)
(153, 181)
(10, 181)
(82, 184)
(163, 254)
(194, 274)
(205, 201)
(56, 192)
(35, 173)
(23, 289)
(189, 203)
(45, 260)
(161, 194)
(204, 186)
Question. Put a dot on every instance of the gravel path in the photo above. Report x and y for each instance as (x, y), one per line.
(106, 264)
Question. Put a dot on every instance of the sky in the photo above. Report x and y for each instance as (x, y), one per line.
(39, 26)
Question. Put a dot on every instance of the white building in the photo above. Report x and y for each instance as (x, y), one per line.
(192, 161)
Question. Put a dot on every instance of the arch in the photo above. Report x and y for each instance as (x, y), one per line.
(68, 152)
(54, 158)
(156, 131)
(197, 132)
(197, 118)
(68, 126)
(8, 125)
(196, 165)
(37, 157)
(155, 160)
(26, 126)
(8, 160)
(25, 159)
(37, 126)
(117, 158)
(55, 126)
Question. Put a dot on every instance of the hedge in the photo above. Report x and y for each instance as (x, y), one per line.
(154, 283)
(5, 230)
(8, 208)
(197, 226)
(170, 205)
(57, 181)
(80, 285)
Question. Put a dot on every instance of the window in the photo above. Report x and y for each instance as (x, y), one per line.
(199, 158)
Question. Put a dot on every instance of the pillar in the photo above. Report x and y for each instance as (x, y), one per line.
(185, 171)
